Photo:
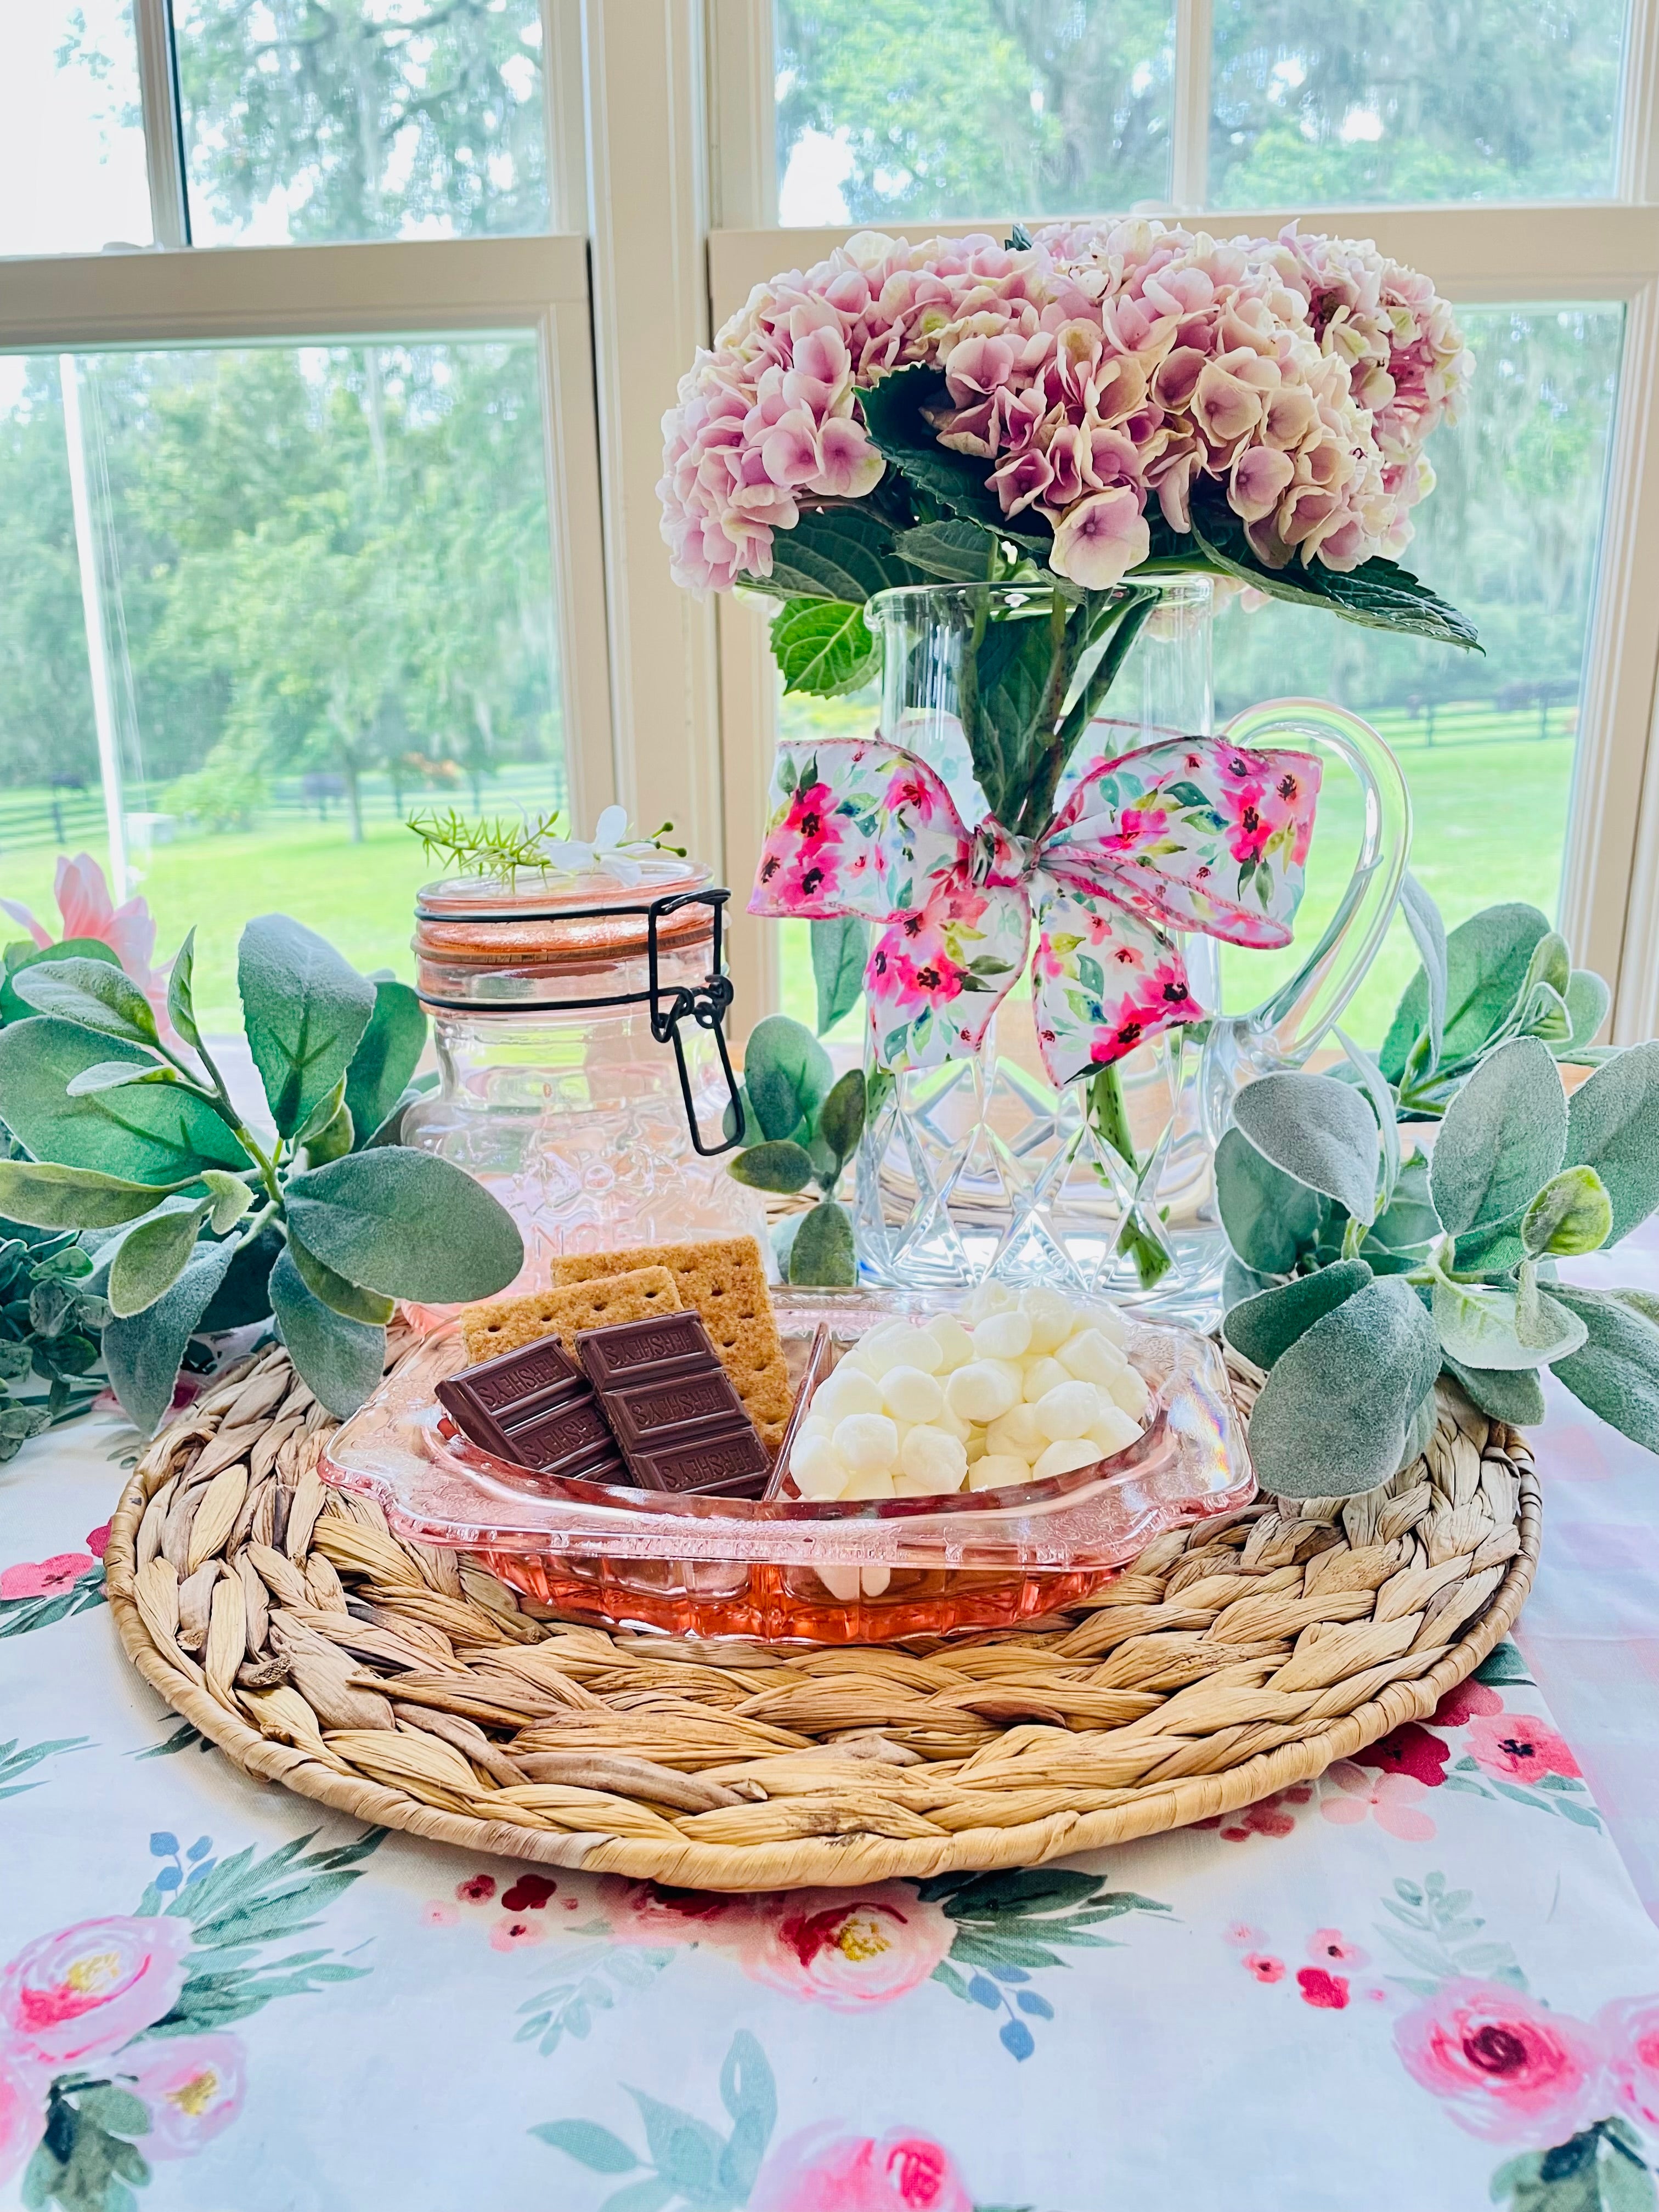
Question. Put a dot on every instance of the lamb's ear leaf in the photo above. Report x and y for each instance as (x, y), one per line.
(1486, 959)
(181, 980)
(93, 994)
(152, 1257)
(1502, 1139)
(788, 1075)
(1419, 1430)
(841, 949)
(823, 1251)
(1318, 1130)
(1615, 1372)
(1613, 1125)
(340, 1359)
(1571, 1215)
(387, 1053)
(42, 1195)
(1335, 1414)
(777, 1164)
(305, 1010)
(1269, 1216)
(1513, 1395)
(1587, 997)
(1265, 1327)
(143, 1354)
(1485, 1327)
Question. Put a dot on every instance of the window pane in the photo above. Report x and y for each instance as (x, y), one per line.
(1414, 101)
(939, 109)
(367, 119)
(1510, 536)
(327, 604)
(72, 175)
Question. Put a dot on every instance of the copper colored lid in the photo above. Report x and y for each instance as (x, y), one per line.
(557, 925)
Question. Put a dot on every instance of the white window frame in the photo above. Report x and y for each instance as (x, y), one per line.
(1604, 250)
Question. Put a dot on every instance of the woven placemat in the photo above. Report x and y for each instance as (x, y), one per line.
(400, 1685)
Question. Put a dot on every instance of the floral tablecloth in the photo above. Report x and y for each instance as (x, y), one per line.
(1425, 1982)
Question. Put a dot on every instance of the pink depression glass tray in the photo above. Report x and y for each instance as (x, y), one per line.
(785, 1569)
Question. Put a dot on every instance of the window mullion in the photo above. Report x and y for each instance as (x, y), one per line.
(1639, 121)
(164, 143)
(1189, 179)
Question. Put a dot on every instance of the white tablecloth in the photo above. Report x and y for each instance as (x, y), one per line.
(1425, 1982)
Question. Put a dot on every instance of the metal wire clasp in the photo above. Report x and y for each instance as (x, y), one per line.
(706, 1004)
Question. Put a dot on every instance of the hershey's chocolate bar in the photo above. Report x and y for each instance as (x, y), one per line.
(681, 1425)
(535, 1408)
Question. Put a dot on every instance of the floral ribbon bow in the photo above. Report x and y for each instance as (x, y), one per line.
(1189, 834)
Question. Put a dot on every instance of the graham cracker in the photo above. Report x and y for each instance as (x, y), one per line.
(723, 1279)
(508, 1324)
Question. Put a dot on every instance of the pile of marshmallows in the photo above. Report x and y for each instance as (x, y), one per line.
(1013, 1389)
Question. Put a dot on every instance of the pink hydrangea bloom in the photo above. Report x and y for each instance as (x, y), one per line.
(1511, 2070)
(1629, 2028)
(82, 1993)
(193, 2086)
(1108, 366)
(819, 2171)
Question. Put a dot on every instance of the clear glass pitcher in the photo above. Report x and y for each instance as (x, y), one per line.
(984, 1166)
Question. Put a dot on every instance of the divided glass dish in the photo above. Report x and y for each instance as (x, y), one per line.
(782, 1569)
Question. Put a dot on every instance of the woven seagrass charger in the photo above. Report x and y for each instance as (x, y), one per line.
(399, 1684)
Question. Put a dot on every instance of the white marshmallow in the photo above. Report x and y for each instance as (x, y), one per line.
(1049, 1313)
(1091, 1357)
(1017, 1433)
(953, 1341)
(1129, 1390)
(874, 1581)
(841, 1582)
(1095, 1313)
(1002, 1336)
(952, 1424)
(847, 1391)
(1066, 1412)
(931, 1456)
(997, 1470)
(989, 1297)
(909, 1394)
(867, 1442)
(815, 1424)
(884, 1348)
(982, 1390)
(1042, 1376)
(877, 1484)
(818, 1467)
(973, 1443)
(1114, 1431)
(1063, 1456)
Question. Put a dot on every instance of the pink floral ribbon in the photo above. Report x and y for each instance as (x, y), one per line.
(1187, 833)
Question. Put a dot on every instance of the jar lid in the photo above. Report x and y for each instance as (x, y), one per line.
(555, 923)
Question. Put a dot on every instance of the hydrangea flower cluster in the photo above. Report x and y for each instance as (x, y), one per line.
(1105, 366)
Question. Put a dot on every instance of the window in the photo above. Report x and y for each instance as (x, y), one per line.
(356, 319)
(1502, 148)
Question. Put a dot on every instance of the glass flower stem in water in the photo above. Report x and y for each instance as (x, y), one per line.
(1109, 1117)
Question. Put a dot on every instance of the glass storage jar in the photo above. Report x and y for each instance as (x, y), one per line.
(583, 1076)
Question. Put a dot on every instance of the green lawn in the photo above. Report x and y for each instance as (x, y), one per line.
(1491, 818)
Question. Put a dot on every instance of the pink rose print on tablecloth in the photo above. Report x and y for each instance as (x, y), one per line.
(1629, 2031)
(1273, 1817)
(822, 2170)
(1510, 2070)
(645, 1912)
(1328, 1992)
(1520, 1746)
(1393, 1801)
(1330, 1947)
(1410, 1750)
(193, 2086)
(1264, 1966)
(845, 1949)
(22, 2103)
(46, 1578)
(82, 1993)
(1464, 1703)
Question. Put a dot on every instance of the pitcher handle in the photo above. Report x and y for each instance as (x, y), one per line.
(1286, 1027)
